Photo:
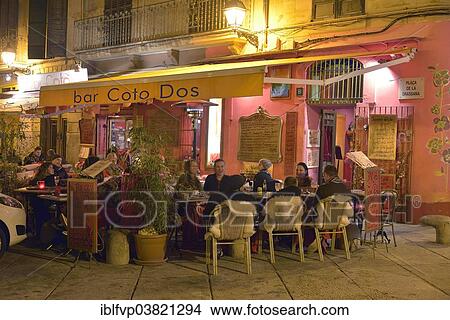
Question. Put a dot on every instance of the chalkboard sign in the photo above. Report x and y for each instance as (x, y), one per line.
(260, 137)
(87, 132)
(382, 137)
(82, 215)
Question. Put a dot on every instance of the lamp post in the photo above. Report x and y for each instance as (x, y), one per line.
(194, 110)
(235, 12)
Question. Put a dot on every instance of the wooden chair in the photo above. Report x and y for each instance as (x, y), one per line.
(233, 220)
(283, 218)
(333, 213)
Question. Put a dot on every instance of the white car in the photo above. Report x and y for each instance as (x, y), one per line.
(12, 222)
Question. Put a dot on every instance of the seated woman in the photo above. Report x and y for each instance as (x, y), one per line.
(114, 169)
(40, 206)
(187, 183)
(264, 176)
(60, 172)
(45, 173)
(304, 180)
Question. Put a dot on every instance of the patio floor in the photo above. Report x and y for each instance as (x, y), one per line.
(417, 269)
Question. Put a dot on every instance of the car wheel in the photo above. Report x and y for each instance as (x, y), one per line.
(3, 243)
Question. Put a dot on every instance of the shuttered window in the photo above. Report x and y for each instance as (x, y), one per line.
(47, 29)
(349, 91)
(8, 20)
(331, 9)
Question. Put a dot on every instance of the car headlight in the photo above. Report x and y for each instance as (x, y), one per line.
(10, 201)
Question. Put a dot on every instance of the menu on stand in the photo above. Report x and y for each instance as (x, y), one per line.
(260, 137)
(382, 137)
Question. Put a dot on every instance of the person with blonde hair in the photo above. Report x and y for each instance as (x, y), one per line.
(189, 181)
(264, 176)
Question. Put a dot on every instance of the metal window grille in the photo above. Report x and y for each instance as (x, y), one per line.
(349, 91)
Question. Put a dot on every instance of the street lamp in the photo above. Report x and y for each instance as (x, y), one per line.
(8, 56)
(235, 14)
(194, 110)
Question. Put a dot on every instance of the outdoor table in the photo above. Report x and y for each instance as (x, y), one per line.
(27, 193)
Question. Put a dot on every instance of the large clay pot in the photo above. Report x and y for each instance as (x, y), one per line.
(150, 249)
(117, 248)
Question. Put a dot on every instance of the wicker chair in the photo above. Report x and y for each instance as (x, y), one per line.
(333, 213)
(284, 218)
(233, 220)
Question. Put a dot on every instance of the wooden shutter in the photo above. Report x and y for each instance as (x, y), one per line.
(57, 27)
(37, 29)
(8, 17)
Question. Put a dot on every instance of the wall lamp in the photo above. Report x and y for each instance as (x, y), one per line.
(235, 12)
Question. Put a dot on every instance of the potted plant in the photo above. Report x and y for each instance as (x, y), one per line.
(149, 189)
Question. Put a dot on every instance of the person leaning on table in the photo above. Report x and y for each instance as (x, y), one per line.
(333, 185)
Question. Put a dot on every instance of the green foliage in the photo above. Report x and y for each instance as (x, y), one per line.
(8, 177)
(151, 173)
(12, 132)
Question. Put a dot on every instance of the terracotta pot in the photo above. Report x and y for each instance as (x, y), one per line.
(150, 248)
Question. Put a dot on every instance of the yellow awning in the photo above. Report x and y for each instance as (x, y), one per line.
(224, 80)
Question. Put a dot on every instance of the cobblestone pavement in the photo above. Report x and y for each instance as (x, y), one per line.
(417, 269)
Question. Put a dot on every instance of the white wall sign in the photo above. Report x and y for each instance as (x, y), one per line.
(34, 82)
(411, 88)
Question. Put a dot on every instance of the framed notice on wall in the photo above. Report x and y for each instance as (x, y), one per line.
(87, 132)
(382, 137)
(82, 215)
(260, 137)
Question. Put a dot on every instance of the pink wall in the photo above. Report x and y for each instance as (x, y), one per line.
(430, 174)
(238, 107)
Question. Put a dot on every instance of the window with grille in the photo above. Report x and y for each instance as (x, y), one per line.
(348, 91)
(332, 9)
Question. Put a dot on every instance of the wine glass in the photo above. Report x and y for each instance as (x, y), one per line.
(56, 180)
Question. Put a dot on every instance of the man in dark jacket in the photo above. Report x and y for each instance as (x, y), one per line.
(290, 188)
(34, 157)
(217, 184)
(333, 185)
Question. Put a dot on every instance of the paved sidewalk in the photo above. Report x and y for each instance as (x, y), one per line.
(416, 269)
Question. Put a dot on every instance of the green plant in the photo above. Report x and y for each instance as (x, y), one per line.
(152, 176)
(12, 132)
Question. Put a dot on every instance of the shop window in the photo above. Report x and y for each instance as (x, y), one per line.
(348, 91)
(214, 131)
(47, 29)
(332, 9)
(119, 133)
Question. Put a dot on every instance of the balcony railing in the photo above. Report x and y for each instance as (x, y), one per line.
(163, 20)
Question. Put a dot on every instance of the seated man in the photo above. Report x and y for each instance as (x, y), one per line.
(290, 188)
(217, 184)
(333, 185)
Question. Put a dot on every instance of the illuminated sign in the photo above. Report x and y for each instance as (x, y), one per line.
(34, 82)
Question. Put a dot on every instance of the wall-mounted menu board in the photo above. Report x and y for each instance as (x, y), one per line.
(260, 137)
(382, 137)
